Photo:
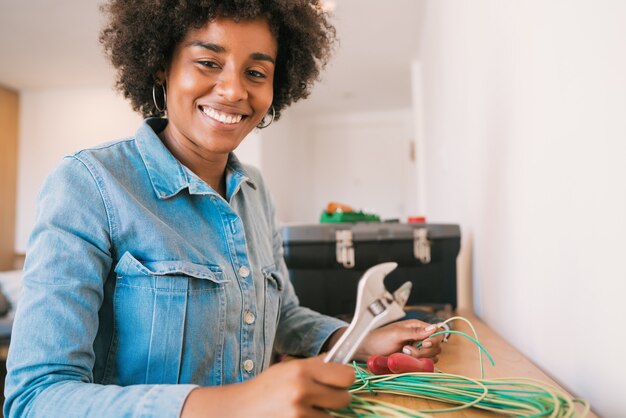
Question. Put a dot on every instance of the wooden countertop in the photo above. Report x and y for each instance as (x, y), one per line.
(460, 356)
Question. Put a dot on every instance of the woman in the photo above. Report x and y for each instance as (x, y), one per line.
(155, 283)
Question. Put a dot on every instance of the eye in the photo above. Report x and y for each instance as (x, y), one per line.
(256, 74)
(209, 64)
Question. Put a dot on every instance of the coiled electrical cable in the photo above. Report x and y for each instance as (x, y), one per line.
(508, 396)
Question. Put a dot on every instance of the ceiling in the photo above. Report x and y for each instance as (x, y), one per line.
(54, 44)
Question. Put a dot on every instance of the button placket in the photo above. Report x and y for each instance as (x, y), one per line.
(249, 318)
(237, 247)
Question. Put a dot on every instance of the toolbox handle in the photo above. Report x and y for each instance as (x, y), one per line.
(344, 248)
(421, 245)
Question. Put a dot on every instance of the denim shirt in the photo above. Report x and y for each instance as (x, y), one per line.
(141, 283)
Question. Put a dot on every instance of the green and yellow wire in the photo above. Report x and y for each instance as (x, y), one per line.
(516, 397)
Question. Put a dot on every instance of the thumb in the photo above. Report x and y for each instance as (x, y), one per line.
(420, 331)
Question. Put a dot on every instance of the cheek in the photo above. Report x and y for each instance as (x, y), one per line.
(185, 87)
(188, 83)
(263, 100)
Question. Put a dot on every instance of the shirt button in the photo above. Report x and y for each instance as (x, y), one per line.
(248, 318)
(244, 271)
(248, 365)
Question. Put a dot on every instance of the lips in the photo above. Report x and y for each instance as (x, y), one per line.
(222, 117)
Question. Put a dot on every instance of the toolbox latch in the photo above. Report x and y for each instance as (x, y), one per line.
(421, 245)
(345, 249)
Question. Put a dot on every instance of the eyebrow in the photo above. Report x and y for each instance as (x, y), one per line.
(209, 46)
(257, 56)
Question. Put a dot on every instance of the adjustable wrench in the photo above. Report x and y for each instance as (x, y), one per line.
(375, 306)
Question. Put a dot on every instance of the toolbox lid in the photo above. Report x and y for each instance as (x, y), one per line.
(365, 231)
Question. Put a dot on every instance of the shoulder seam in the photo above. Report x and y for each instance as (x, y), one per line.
(103, 146)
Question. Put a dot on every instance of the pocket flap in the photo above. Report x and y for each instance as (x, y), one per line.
(130, 266)
(272, 273)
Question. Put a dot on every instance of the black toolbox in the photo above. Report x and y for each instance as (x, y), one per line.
(326, 261)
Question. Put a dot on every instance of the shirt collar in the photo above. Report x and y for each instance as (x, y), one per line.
(168, 176)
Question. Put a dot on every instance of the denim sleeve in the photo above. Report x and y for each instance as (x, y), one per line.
(51, 355)
(301, 331)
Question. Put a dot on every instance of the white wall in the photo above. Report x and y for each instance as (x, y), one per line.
(286, 154)
(524, 110)
(361, 158)
(364, 159)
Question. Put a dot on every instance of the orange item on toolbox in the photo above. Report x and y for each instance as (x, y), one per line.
(333, 207)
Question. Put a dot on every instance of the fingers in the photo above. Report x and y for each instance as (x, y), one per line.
(422, 331)
(393, 337)
(331, 374)
(328, 398)
(297, 388)
(317, 413)
(322, 385)
(438, 339)
(429, 347)
(414, 330)
(427, 350)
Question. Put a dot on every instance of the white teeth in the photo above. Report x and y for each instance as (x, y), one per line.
(222, 117)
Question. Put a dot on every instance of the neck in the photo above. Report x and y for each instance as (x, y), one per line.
(210, 167)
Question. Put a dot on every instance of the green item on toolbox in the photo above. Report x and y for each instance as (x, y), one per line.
(348, 217)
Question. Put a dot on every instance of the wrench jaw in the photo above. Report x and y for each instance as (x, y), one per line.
(393, 312)
(401, 295)
(375, 307)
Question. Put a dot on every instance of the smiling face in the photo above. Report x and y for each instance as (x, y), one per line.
(219, 87)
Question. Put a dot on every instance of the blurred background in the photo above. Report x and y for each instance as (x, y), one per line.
(507, 117)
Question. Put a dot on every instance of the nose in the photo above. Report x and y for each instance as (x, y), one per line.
(230, 85)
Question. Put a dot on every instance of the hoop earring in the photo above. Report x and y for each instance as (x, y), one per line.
(264, 124)
(154, 100)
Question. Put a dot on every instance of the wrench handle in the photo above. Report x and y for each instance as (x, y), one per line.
(344, 349)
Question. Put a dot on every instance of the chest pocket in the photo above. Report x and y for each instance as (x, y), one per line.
(157, 305)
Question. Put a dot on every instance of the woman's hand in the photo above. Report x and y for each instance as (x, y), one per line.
(297, 388)
(402, 336)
